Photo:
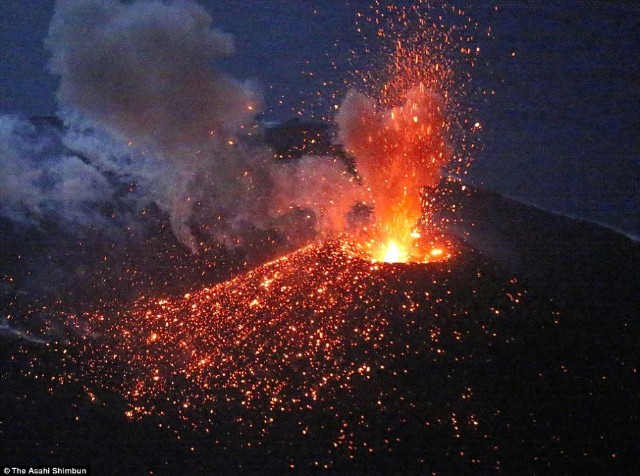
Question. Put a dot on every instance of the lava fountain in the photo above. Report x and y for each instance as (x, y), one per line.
(401, 131)
(399, 152)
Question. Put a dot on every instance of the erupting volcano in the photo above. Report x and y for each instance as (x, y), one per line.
(298, 306)
(344, 365)
(399, 154)
(401, 132)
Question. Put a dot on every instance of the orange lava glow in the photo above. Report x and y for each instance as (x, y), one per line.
(321, 346)
(400, 133)
(417, 251)
(238, 341)
(399, 151)
(391, 252)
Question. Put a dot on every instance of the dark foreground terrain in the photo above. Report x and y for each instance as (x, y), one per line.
(521, 359)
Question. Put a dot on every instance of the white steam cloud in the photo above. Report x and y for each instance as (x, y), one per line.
(37, 185)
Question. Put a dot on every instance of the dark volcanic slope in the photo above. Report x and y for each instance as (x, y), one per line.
(583, 264)
(324, 360)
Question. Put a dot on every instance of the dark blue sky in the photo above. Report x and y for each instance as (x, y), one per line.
(25, 86)
(562, 131)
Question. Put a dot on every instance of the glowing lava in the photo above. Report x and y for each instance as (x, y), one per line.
(391, 252)
(418, 251)
(399, 153)
(321, 351)
(402, 127)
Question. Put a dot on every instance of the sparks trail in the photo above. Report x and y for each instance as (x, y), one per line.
(404, 129)
(399, 152)
(243, 337)
(321, 333)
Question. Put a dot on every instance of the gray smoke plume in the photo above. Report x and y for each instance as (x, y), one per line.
(146, 72)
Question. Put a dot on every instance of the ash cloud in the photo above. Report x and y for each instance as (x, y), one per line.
(322, 185)
(147, 74)
(147, 71)
(151, 118)
(38, 183)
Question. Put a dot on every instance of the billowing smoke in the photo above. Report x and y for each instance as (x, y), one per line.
(147, 73)
(321, 185)
(38, 184)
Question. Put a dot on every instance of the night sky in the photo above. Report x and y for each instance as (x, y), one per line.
(318, 238)
(561, 131)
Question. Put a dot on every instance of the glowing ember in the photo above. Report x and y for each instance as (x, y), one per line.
(285, 338)
(391, 252)
(403, 130)
(399, 152)
(321, 349)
